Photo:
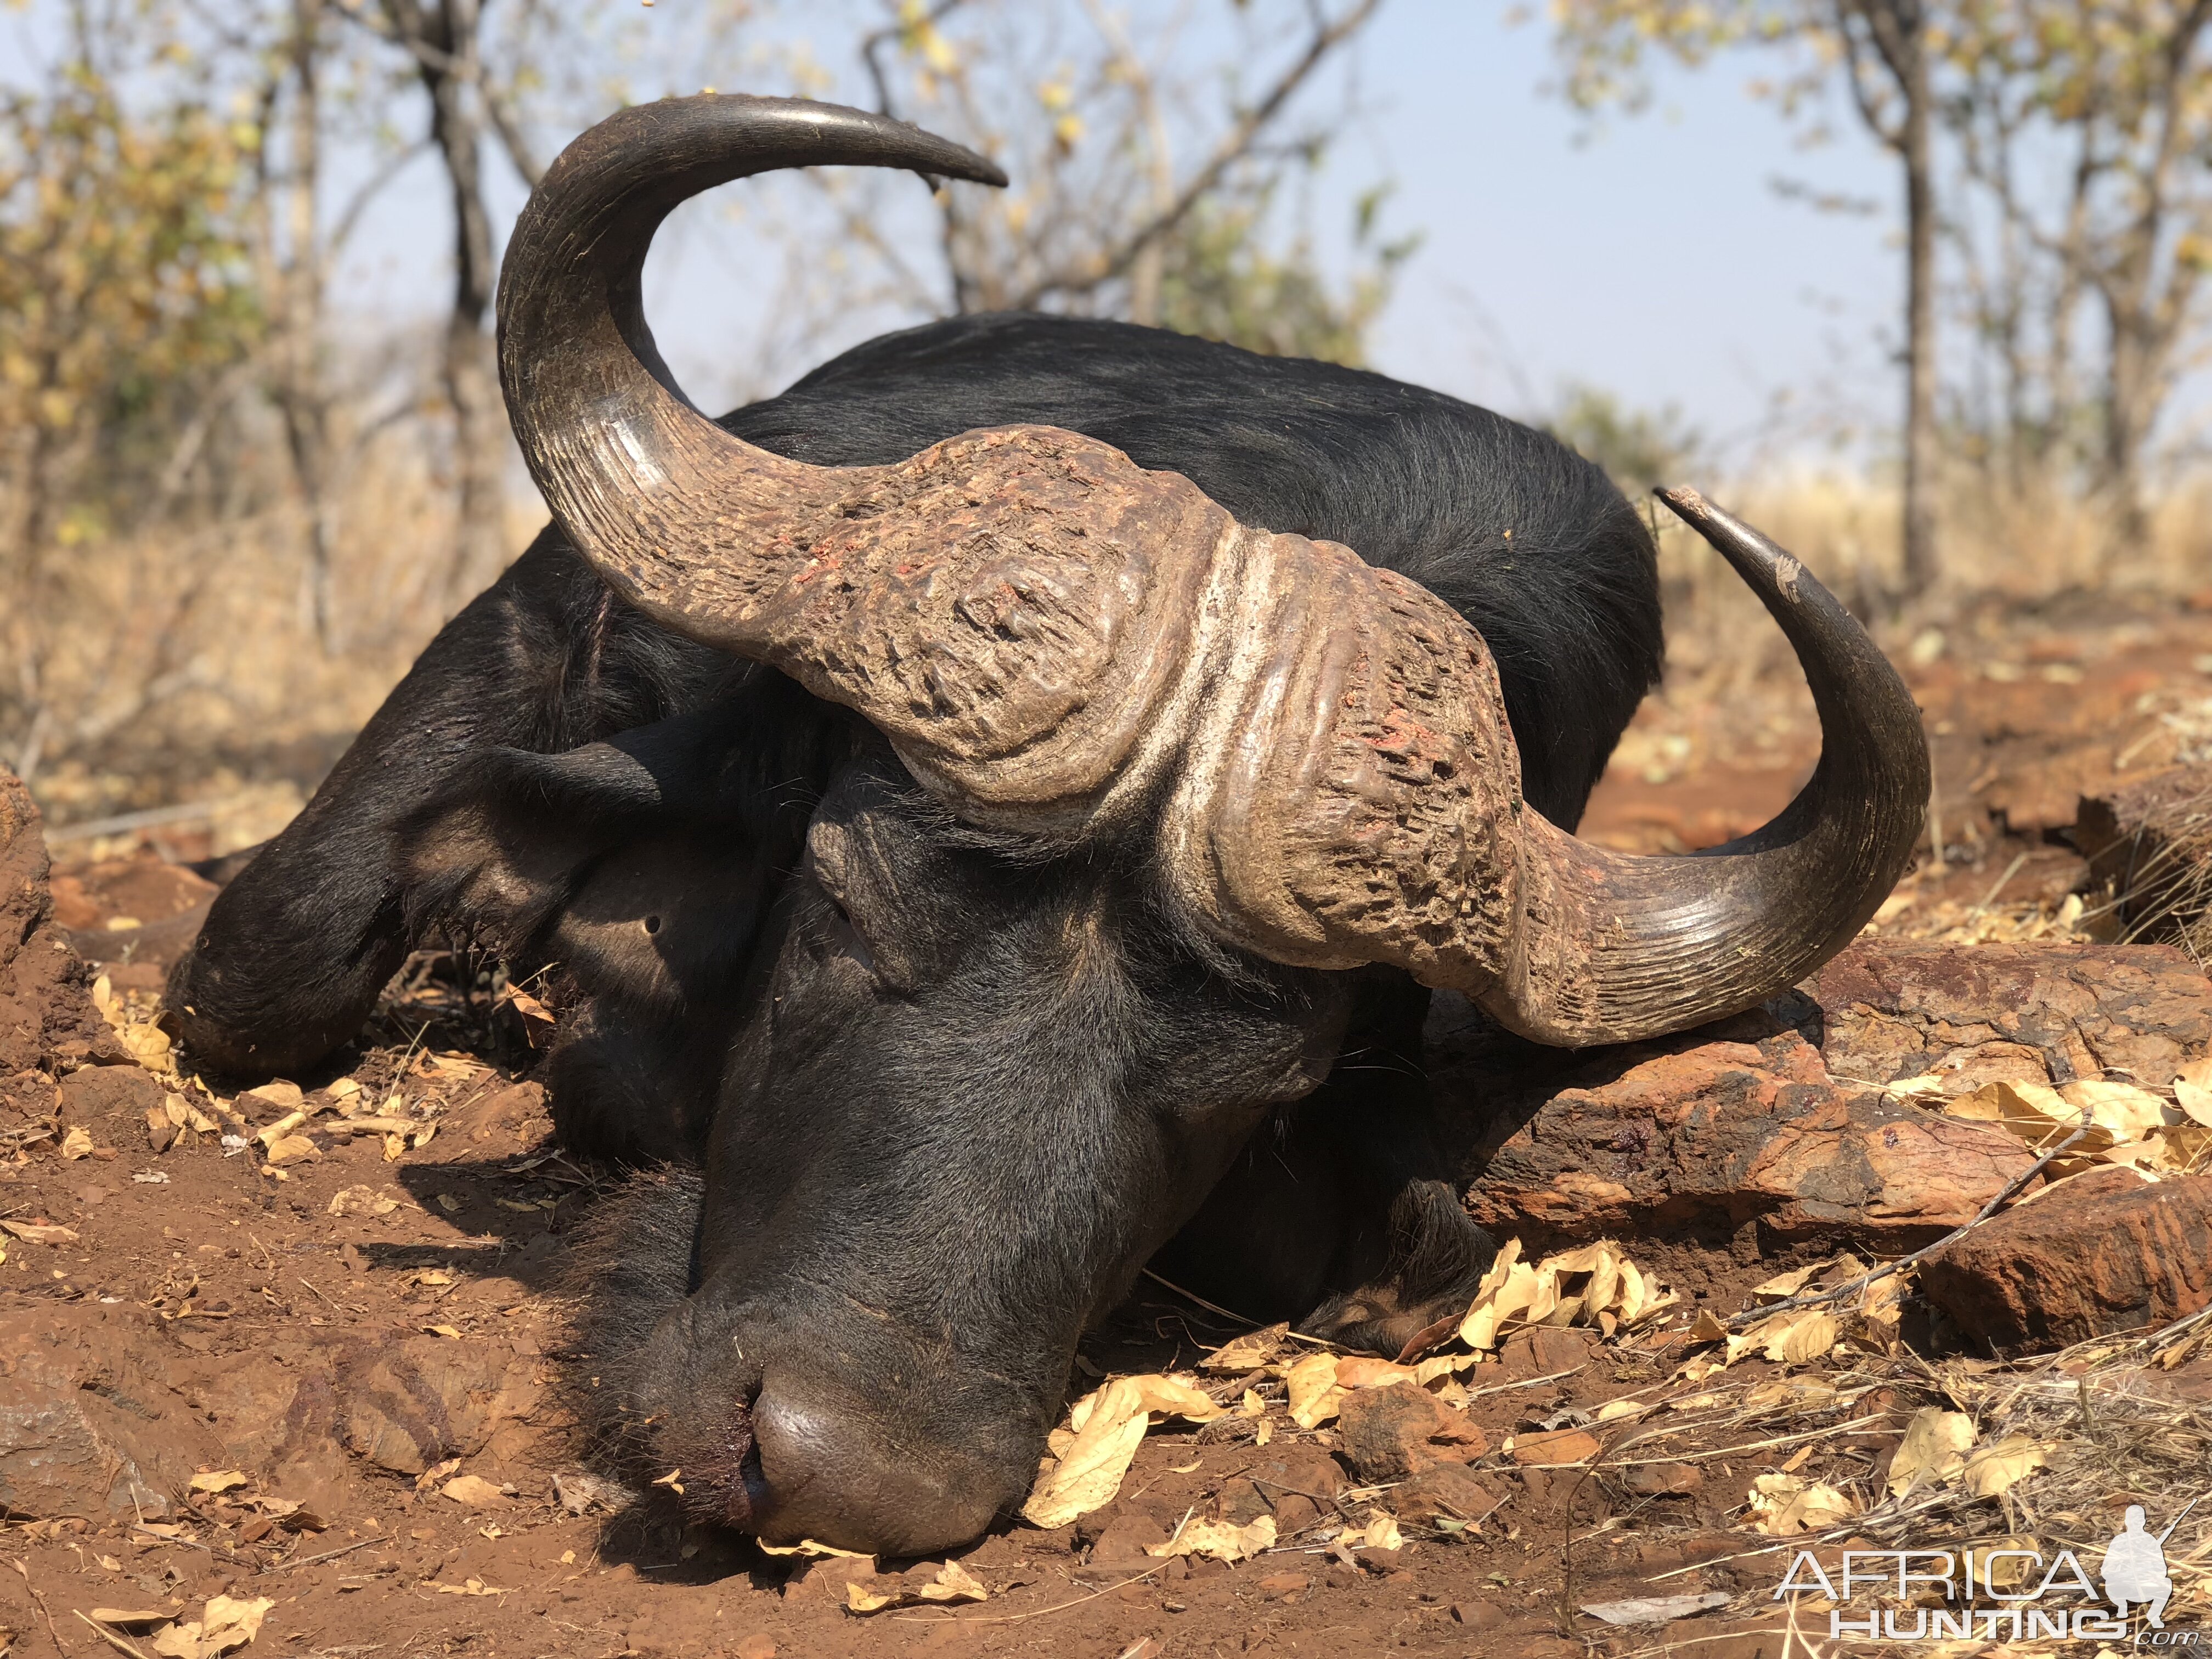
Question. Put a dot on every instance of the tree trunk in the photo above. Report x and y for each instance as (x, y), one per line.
(299, 389)
(445, 47)
(1922, 566)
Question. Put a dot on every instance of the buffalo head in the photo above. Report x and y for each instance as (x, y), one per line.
(1127, 802)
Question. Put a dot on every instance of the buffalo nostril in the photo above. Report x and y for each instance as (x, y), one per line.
(652, 924)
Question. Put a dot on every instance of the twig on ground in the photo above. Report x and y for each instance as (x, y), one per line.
(327, 1555)
(110, 1637)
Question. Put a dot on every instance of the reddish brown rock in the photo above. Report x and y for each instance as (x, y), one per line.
(2038, 1012)
(111, 1101)
(1776, 1120)
(2150, 846)
(1299, 1481)
(1709, 1137)
(1544, 1351)
(1130, 1528)
(1388, 1434)
(1560, 1446)
(2105, 1251)
(1450, 1491)
(89, 1423)
(1661, 1479)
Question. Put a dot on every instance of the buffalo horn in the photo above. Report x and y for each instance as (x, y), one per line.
(1059, 641)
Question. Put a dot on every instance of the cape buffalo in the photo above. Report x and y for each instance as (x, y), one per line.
(963, 842)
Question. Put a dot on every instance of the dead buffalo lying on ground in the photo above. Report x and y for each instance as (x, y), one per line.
(964, 843)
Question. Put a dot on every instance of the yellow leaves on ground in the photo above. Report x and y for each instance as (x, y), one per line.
(146, 1042)
(1381, 1532)
(218, 1480)
(1789, 1339)
(2192, 1092)
(77, 1142)
(1783, 1505)
(1223, 1541)
(2003, 1464)
(2127, 1124)
(361, 1200)
(812, 1550)
(1933, 1452)
(224, 1624)
(952, 1583)
(1596, 1285)
(1314, 1392)
(1318, 1383)
(1105, 1429)
(38, 1232)
(1939, 1450)
(1249, 1352)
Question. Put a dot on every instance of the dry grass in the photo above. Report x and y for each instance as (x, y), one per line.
(183, 666)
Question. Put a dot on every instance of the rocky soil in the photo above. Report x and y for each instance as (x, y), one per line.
(305, 1346)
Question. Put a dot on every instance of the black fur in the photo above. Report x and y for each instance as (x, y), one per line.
(951, 1090)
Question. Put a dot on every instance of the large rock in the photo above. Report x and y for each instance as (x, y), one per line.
(89, 1423)
(1776, 1120)
(2150, 846)
(2105, 1251)
(102, 1414)
(401, 1401)
(47, 1021)
(1709, 1137)
(2037, 1013)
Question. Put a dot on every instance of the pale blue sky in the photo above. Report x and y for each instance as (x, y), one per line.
(1649, 255)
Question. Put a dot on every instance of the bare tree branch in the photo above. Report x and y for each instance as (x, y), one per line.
(1235, 145)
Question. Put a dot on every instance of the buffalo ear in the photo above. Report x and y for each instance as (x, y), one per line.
(501, 852)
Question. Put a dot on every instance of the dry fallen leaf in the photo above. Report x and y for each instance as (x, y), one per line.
(291, 1149)
(1934, 1451)
(77, 1142)
(2121, 1110)
(812, 1550)
(284, 1097)
(1105, 1428)
(2192, 1090)
(38, 1232)
(218, 1479)
(1597, 1284)
(1221, 1540)
(474, 1491)
(437, 1472)
(952, 1583)
(2002, 1465)
(2003, 1564)
(470, 1587)
(1655, 1609)
(1782, 1287)
(1783, 1505)
(1381, 1532)
(1314, 1393)
(224, 1624)
(132, 1616)
(1249, 1352)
